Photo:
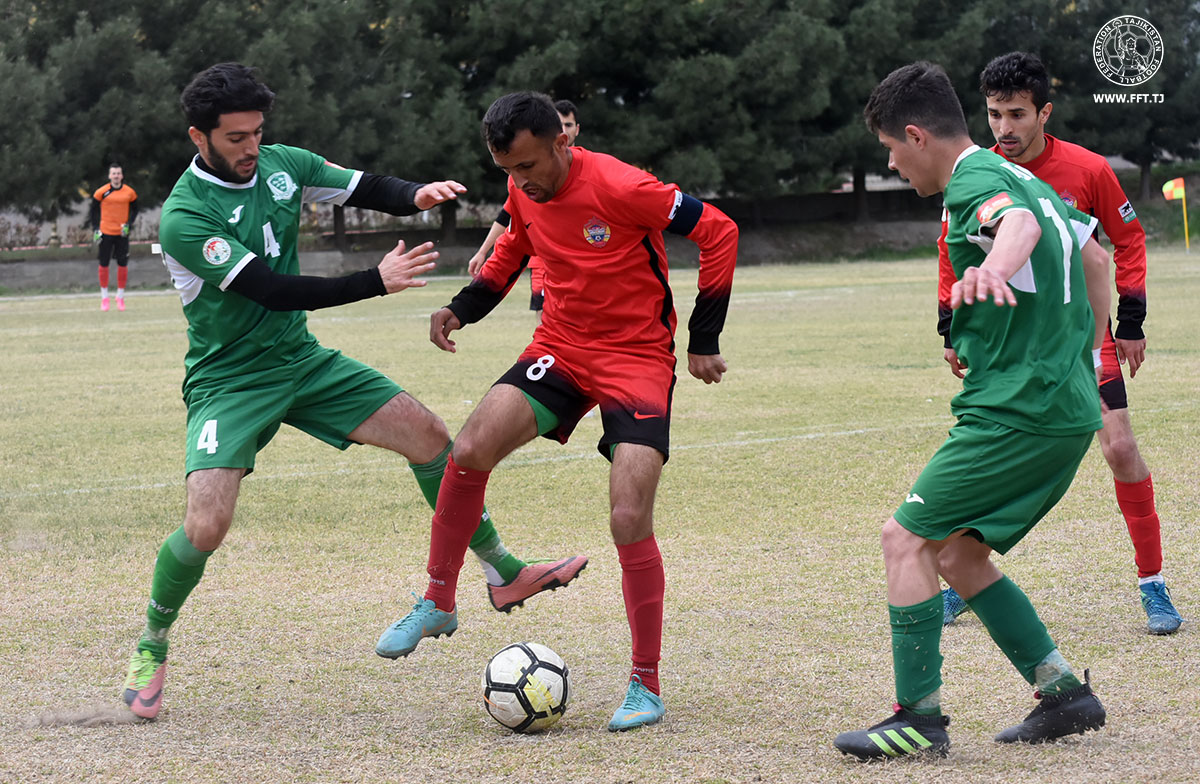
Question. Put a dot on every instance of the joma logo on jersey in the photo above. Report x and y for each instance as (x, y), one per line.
(597, 233)
(217, 251)
(282, 186)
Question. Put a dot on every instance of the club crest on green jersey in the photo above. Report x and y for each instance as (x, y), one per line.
(282, 186)
(217, 251)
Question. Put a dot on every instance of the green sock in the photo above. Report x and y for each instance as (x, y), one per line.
(916, 658)
(499, 565)
(1014, 625)
(176, 572)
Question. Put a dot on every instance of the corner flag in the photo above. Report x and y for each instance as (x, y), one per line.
(1172, 190)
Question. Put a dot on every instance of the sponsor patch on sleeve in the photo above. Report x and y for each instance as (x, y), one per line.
(989, 208)
(1127, 213)
(217, 251)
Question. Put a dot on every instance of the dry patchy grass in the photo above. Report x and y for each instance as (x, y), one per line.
(768, 517)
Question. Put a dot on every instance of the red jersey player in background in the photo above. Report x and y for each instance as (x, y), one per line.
(1017, 89)
(537, 287)
(606, 339)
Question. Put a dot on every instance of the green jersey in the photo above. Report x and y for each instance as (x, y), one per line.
(1030, 366)
(210, 229)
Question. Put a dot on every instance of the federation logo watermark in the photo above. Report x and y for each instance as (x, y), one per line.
(1128, 51)
(282, 186)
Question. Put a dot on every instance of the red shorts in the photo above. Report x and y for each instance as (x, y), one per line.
(1112, 383)
(632, 391)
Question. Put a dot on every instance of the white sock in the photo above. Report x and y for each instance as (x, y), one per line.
(120, 293)
(1154, 578)
(104, 292)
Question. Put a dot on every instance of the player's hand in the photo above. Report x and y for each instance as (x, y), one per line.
(435, 193)
(1133, 352)
(95, 236)
(957, 366)
(709, 368)
(977, 284)
(400, 268)
(476, 263)
(124, 229)
(441, 324)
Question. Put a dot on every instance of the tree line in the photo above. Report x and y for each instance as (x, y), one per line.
(749, 98)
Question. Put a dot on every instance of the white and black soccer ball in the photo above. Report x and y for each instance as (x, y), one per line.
(526, 687)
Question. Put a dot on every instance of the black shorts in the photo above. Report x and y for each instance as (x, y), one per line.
(110, 246)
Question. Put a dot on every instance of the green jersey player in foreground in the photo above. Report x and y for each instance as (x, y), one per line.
(229, 231)
(1026, 415)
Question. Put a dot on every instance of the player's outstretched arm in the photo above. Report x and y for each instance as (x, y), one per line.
(275, 291)
(400, 267)
(434, 193)
(709, 368)
(476, 262)
(441, 324)
(1015, 238)
(1095, 272)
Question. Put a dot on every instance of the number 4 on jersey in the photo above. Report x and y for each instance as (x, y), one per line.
(208, 437)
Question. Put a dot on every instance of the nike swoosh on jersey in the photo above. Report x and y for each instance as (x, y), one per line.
(640, 415)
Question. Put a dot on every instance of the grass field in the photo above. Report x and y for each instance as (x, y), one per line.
(768, 517)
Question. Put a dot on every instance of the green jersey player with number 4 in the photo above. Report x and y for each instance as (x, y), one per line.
(1026, 416)
(229, 232)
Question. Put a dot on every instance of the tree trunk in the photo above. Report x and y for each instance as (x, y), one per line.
(449, 215)
(862, 212)
(339, 227)
(1144, 188)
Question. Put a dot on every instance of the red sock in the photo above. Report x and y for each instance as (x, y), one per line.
(1136, 500)
(103, 277)
(122, 276)
(459, 507)
(643, 583)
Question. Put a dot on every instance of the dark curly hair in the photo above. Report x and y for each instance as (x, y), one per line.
(1016, 72)
(222, 89)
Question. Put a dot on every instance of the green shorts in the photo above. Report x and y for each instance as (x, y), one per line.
(992, 480)
(323, 393)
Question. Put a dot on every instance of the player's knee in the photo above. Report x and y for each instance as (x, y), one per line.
(206, 529)
(473, 452)
(1121, 451)
(630, 523)
(897, 541)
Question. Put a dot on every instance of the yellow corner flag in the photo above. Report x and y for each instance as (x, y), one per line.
(1172, 190)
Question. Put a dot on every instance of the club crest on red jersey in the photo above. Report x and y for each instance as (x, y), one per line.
(597, 232)
(1069, 199)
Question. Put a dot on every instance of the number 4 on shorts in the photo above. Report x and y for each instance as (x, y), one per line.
(208, 437)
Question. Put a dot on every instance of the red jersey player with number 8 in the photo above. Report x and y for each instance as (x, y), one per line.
(606, 339)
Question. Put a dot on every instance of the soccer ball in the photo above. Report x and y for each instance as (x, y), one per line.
(526, 687)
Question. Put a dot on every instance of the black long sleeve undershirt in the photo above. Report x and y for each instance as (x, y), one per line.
(382, 193)
(274, 291)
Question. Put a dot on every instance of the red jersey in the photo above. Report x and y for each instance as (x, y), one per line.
(600, 240)
(1085, 181)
